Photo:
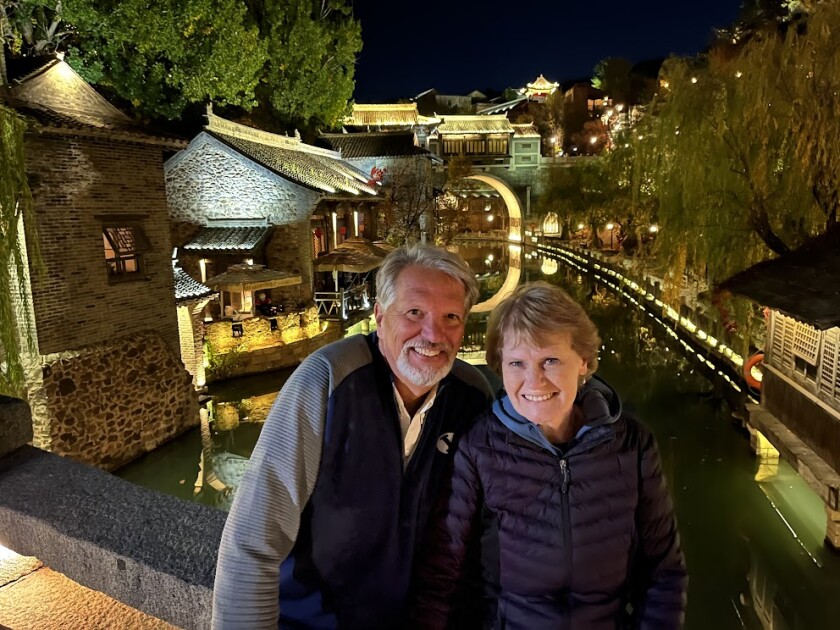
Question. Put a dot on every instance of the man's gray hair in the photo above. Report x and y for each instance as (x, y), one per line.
(434, 258)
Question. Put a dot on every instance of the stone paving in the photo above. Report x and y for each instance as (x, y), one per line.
(33, 596)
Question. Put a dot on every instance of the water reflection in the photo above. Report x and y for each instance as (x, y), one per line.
(752, 530)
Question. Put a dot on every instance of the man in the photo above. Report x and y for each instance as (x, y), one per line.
(329, 516)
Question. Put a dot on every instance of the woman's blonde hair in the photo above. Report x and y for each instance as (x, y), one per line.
(533, 312)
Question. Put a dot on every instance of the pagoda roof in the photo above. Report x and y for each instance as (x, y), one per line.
(314, 167)
(541, 85)
(373, 144)
(228, 240)
(187, 287)
(386, 115)
(804, 284)
(476, 124)
(525, 130)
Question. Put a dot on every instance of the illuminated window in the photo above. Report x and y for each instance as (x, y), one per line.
(124, 246)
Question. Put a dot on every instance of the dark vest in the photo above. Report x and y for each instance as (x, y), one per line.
(351, 564)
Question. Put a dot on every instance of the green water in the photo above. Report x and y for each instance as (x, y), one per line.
(754, 550)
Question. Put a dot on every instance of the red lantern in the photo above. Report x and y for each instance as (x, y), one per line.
(318, 232)
(342, 230)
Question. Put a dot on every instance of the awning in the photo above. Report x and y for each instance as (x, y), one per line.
(252, 278)
(346, 259)
(364, 246)
(229, 240)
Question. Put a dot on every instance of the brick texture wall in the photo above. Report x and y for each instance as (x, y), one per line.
(75, 182)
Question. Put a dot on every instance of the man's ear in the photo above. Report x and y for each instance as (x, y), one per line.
(377, 314)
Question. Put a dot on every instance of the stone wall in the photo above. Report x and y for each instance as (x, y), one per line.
(257, 333)
(246, 357)
(191, 329)
(78, 184)
(289, 248)
(15, 424)
(152, 551)
(209, 180)
(112, 402)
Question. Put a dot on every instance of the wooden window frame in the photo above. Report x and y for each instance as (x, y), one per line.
(113, 233)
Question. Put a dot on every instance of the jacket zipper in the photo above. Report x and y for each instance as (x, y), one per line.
(564, 511)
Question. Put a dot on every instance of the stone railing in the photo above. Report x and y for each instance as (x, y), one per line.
(151, 551)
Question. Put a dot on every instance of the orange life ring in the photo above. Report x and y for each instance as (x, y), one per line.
(749, 364)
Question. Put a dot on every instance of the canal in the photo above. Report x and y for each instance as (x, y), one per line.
(753, 536)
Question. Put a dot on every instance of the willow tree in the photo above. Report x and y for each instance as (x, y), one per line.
(580, 195)
(723, 166)
(810, 82)
(16, 228)
(630, 200)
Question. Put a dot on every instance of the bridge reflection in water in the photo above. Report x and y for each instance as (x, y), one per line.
(754, 548)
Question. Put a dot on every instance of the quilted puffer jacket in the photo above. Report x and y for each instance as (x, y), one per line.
(580, 537)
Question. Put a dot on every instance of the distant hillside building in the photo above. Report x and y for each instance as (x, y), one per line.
(433, 103)
(539, 89)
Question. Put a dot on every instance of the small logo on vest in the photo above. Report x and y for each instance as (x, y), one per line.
(444, 442)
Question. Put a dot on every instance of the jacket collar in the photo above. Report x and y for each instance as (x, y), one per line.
(598, 402)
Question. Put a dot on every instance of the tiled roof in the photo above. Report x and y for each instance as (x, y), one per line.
(804, 284)
(51, 120)
(525, 130)
(474, 124)
(187, 288)
(502, 108)
(228, 240)
(372, 144)
(58, 99)
(541, 84)
(305, 164)
(386, 115)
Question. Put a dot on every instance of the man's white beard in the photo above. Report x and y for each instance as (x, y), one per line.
(424, 377)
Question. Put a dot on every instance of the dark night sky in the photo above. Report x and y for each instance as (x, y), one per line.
(456, 46)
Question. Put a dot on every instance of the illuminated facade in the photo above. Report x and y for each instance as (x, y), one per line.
(105, 381)
(539, 89)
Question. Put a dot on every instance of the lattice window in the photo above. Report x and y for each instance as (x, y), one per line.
(788, 331)
(777, 340)
(829, 376)
(806, 342)
(123, 246)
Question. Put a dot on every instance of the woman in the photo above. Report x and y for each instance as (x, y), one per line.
(557, 503)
